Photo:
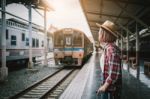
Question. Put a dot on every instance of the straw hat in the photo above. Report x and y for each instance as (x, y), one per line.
(109, 26)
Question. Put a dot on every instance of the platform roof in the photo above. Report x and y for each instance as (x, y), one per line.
(124, 13)
(39, 4)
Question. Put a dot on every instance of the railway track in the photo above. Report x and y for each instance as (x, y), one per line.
(54, 94)
(44, 87)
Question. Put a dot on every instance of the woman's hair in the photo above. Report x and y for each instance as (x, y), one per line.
(106, 36)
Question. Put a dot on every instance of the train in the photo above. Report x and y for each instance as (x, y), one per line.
(71, 47)
(17, 41)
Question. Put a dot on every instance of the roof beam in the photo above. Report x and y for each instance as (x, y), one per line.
(96, 21)
(101, 6)
(124, 28)
(139, 14)
(121, 12)
(132, 16)
(136, 2)
(93, 25)
(95, 29)
(108, 15)
(39, 4)
(39, 13)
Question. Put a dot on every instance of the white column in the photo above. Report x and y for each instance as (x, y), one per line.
(3, 69)
(30, 65)
(45, 40)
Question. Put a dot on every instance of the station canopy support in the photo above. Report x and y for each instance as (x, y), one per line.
(3, 68)
(37, 4)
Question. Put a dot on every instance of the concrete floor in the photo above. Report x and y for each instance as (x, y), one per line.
(135, 84)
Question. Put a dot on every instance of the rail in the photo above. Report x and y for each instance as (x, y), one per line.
(41, 88)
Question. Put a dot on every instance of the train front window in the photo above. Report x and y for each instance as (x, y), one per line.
(58, 39)
(77, 41)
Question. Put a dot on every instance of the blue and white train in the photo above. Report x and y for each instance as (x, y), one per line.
(71, 47)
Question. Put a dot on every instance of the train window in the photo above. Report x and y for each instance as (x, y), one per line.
(27, 41)
(37, 43)
(23, 37)
(10, 23)
(7, 34)
(42, 44)
(33, 42)
(13, 23)
(77, 41)
(58, 39)
(13, 40)
(7, 23)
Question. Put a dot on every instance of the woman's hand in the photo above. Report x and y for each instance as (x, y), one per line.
(103, 88)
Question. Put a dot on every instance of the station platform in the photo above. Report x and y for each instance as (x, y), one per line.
(135, 84)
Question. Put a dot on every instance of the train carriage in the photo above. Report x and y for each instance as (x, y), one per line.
(71, 46)
(17, 42)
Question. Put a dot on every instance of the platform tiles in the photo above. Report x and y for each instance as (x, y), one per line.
(76, 88)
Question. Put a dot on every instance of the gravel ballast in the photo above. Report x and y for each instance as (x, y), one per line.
(21, 79)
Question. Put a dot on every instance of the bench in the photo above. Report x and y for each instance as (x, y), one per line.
(147, 68)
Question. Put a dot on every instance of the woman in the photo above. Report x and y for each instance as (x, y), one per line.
(110, 62)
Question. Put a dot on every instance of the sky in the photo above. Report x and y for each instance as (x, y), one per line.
(66, 14)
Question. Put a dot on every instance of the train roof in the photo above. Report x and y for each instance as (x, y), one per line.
(24, 23)
(74, 30)
(124, 13)
(71, 29)
(35, 26)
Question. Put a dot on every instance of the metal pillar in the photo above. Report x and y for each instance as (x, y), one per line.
(137, 45)
(45, 41)
(127, 46)
(3, 69)
(30, 65)
(137, 52)
(121, 47)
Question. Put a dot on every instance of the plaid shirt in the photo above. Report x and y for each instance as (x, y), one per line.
(112, 66)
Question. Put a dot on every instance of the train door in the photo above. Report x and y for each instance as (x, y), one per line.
(68, 47)
(68, 44)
